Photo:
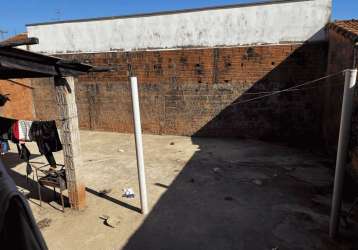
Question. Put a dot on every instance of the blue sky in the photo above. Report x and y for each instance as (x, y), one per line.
(16, 13)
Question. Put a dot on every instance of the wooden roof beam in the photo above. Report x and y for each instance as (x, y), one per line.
(86, 67)
(36, 68)
(101, 69)
(26, 41)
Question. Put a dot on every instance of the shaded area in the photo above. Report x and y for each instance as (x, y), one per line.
(11, 160)
(189, 92)
(294, 116)
(238, 194)
(242, 194)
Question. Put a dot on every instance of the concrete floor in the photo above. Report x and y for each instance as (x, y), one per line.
(203, 193)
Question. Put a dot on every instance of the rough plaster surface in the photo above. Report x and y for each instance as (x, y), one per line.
(261, 24)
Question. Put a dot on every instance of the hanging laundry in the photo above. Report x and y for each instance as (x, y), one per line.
(15, 130)
(43, 132)
(6, 128)
(46, 136)
(51, 159)
(25, 153)
(4, 146)
(24, 130)
(21, 130)
(18, 149)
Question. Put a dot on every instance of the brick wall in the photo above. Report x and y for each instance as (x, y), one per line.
(21, 104)
(194, 91)
(340, 57)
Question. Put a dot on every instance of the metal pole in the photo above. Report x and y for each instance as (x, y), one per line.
(344, 134)
(139, 145)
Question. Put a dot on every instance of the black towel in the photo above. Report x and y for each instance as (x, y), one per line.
(46, 136)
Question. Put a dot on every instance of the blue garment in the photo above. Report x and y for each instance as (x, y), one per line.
(5, 147)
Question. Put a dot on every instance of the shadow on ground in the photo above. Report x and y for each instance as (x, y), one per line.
(11, 160)
(241, 194)
(111, 199)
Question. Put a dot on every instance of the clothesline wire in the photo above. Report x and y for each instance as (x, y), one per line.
(274, 91)
(302, 89)
(313, 81)
(293, 88)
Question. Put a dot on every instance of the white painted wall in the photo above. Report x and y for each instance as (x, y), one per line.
(261, 24)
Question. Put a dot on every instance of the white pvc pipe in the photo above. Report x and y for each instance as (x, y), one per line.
(139, 146)
(344, 134)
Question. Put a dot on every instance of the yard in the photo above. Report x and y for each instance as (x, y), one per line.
(204, 194)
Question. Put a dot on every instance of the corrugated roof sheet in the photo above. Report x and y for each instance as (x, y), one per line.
(18, 37)
(348, 28)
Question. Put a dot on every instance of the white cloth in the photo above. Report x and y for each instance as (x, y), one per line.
(24, 130)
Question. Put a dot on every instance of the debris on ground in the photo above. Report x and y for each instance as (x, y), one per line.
(289, 168)
(44, 223)
(228, 198)
(172, 143)
(121, 150)
(128, 193)
(319, 176)
(193, 192)
(106, 221)
(24, 191)
(218, 174)
(216, 170)
(257, 182)
(104, 192)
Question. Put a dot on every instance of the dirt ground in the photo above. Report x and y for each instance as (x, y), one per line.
(203, 193)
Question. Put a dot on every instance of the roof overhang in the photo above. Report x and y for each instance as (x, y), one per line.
(19, 63)
(342, 28)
